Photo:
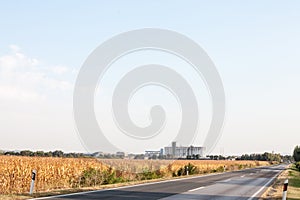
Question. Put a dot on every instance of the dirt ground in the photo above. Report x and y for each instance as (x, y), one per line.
(274, 192)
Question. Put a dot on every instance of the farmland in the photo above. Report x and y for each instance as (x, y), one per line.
(67, 173)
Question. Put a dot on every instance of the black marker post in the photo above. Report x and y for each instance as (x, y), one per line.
(32, 181)
(285, 186)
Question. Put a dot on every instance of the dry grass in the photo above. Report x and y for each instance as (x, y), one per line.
(294, 183)
(274, 192)
(207, 166)
(57, 174)
(135, 166)
(52, 173)
(204, 166)
(13, 197)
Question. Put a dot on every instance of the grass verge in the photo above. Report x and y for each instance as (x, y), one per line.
(274, 192)
(294, 183)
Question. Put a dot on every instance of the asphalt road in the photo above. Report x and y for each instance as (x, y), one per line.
(244, 185)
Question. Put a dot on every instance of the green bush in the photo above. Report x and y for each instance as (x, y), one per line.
(91, 177)
(296, 154)
(148, 175)
(298, 165)
(219, 169)
(183, 170)
(241, 167)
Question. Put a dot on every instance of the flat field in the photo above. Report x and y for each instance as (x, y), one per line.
(71, 173)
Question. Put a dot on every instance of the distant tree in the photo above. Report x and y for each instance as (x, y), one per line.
(48, 154)
(262, 157)
(58, 153)
(9, 153)
(287, 158)
(296, 154)
(39, 153)
(210, 157)
(139, 156)
(26, 153)
(245, 157)
(216, 157)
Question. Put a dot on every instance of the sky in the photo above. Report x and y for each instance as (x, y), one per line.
(255, 46)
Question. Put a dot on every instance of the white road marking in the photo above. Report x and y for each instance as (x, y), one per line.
(224, 181)
(199, 188)
(129, 186)
(243, 176)
(263, 187)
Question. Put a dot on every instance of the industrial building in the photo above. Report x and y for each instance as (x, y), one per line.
(153, 154)
(183, 151)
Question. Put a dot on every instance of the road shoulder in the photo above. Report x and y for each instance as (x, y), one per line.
(274, 192)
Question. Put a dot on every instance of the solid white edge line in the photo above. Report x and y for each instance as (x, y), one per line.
(263, 187)
(224, 181)
(124, 187)
(199, 188)
(142, 184)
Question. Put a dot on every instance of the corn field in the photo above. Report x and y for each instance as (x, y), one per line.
(66, 173)
(52, 173)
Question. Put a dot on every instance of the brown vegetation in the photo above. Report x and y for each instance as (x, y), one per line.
(65, 173)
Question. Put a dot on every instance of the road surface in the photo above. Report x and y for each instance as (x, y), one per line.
(244, 185)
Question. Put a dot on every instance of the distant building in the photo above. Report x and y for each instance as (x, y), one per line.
(120, 154)
(152, 154)
(173, 148)
(183, 151)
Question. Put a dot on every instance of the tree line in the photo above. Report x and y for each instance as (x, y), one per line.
(262, 157)
(296, 153)
(56, 153)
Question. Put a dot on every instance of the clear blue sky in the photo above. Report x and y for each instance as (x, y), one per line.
(254, 44)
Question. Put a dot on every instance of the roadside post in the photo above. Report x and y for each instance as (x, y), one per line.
(33, 175)
(285, 186)
(187, 170)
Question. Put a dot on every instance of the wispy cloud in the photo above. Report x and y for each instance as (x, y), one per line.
(26, 78)
(59, 69)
